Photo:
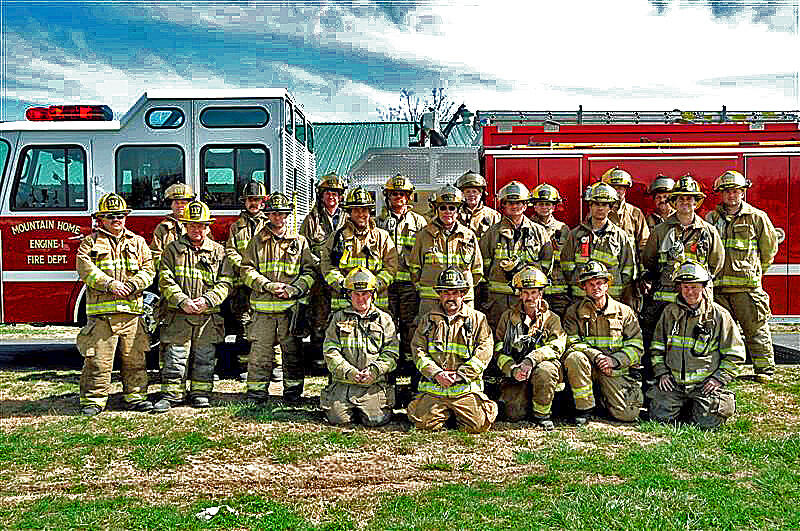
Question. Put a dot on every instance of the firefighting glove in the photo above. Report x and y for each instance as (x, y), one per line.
(292, 291)
(273, 287)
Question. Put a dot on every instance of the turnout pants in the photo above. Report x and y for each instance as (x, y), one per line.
(267, 330)
(190, 353)
(751, 310)
(621, 394)
(535, 393)
(98, 342)
(372, 404)
(706, 411)
(474, 413)
(403, 306)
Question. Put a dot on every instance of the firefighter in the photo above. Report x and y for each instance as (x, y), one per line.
(361, 349)
(359, 243)
(444, 242)
(660, 190)
(624, 214)
(474, 213)
(680, 237)
(116, 265)
(604, 344)
(324, 219)
(697, 350)
(278, 267)
(170, 228)
(545, 198)
(509, 246)
(751, 243)
(402, 224)
(600, 240)
(194, 279)
(528, 350)
(237, 307)
(452, 346)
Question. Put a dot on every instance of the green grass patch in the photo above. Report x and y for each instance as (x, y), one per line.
(298, 446)
(441, 466)
(152, 452)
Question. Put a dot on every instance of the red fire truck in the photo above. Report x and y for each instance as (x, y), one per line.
(572, 150)
(56, 165)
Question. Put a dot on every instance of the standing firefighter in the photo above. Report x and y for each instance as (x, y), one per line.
(605, 342)
(545, 198)
(444, 242)
(751, 243)
(625, 215)
(600, 240)
(509, 246)
(474, 213)
(359, 243)
(361, 349)
(278, 267)
(697, 350)
(402, 224)
(528, 350)
(452, 347)
(194, 279)
(660, 190)
(240, 233)
(170, 228)
(116, 266)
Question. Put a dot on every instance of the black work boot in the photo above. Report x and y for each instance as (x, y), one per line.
(583, 417)
(91, 410)
(142, 406)
(544, 422)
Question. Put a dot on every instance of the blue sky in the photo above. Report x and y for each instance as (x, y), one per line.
(345, 59)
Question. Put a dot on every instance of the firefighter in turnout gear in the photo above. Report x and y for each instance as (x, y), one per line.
(452, 346)
(444, 242)
(697, 351)
(682, 236)
(604, 344)
(116, 266)
(361, 349)
(751, 243)
(278, 267)
(509, 246)
(402, 224)
(600, 240)
(359, 243)
(660, 190)
(320, 224)
(170, 228)
(194, 279)
(624, 214)
(545, 198)
(474, 213)
(237, 307)
(529, 346)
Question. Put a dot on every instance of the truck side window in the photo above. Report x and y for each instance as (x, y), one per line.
(288, 116)
(224, 170)
(50, 178)
(144, 172)
(300, 127)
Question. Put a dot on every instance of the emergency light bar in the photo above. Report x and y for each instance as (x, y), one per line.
(62, 113)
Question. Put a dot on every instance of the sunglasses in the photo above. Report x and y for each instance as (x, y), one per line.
(447, 208)
(396, 192)
(114, 217)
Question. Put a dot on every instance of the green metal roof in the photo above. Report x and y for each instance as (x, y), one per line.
(338, 145)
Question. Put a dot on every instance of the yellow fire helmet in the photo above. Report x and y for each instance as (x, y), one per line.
(593, 269)
(514, 191)
(360, 279)
(196, 212)
(600, 193)
(529, 277)
(177, 192)
(278, 202)
(448, 195)
(471, 179)
(451, 278)
(112, 203)
(617, 177)
(731, 179)
(254, 189)
(661, 184)
(546, 193)
(686, 185)
(331, 181)
(399, 183)
(691, 271)
(358, 197)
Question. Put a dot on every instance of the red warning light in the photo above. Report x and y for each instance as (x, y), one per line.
(62, 113)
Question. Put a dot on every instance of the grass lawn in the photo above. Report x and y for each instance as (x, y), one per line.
(281, 467)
